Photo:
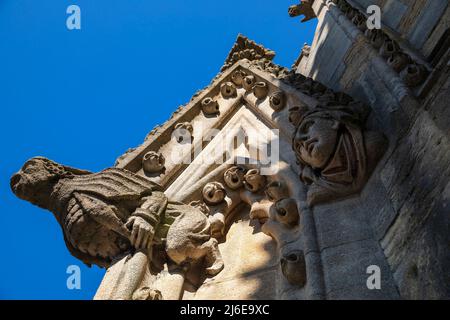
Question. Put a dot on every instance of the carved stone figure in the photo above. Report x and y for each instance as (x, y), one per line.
(304, 8)
(335, 153)
(153, 162)
(107, 214)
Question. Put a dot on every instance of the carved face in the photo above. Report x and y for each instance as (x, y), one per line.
(254, 181)
(35, 180)
(214, 193)
(153, 162)
(234, 177)
(315, 141)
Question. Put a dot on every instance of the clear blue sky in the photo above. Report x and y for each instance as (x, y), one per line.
(83, 97)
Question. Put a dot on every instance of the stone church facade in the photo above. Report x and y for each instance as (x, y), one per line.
(328, 180)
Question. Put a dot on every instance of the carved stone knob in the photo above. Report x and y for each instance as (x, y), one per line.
(276, 190)
(260, 90)
(228, 90)
(234, 177)
(238, 77)
(248, 83)
(153, 162)
(210, 106)
(254, 181)
(214, 193)
(293, 266)
(287, 212)
(277, 100)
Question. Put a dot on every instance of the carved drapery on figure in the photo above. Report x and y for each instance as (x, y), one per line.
(335, 152)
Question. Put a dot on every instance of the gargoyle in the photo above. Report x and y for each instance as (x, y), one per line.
(304, 8)
(107, 214)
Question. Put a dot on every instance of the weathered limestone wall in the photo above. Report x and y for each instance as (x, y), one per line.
(401, 220)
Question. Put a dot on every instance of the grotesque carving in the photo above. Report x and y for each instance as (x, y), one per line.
(277, 100)
(228, 90)
(260, 90)
(360, 21)
(398, 61)
(210, 106)
(254, 181)
(304, 8)
(287, 212)
(388, 48)
(153, 162)
(376, 37)
(238, 77)
(183, 132)
(293, 266)
(105, 215)
(234, 177)
(335, 153)
(276, 190)
(414, 74)
(214, 193)
(249, 82)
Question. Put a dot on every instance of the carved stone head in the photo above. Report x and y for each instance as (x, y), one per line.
(35, 181)
(254, 181)
(153, 162)
(234, 177)
(214, 193)
(335, 152)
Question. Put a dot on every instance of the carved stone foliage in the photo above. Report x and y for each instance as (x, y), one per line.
(153, 162)
(412, 72)
(304, 8)
(335, 152)
(246, 49)
(107, 214)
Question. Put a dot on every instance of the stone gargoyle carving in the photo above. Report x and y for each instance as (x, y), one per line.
(304, 8)
(108, 214)
(335, 152)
